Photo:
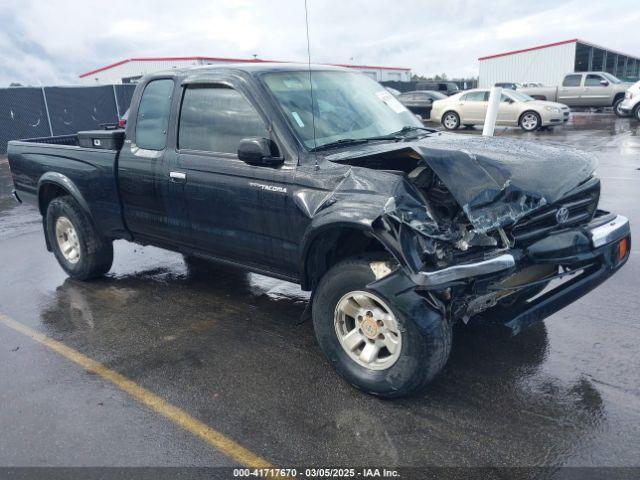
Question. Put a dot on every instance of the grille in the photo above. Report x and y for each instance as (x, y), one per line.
(581, 205)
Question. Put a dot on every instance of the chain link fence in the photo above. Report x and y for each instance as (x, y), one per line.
(28, 112)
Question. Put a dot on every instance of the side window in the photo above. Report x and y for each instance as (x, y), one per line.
(572, 81)
(593, 81)
(475, 97)
(215, 119)
(153, 115)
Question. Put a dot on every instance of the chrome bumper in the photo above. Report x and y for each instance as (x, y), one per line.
(610, 231)
(457, 272)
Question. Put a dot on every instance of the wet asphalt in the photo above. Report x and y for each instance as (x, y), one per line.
(229, 348)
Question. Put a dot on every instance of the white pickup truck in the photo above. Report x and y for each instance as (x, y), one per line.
(584, 89)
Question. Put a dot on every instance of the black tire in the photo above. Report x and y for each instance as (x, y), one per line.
(96, 253)
(528, 127)
(424, 351)
(616, 110)
(636, 112)
(455, 120)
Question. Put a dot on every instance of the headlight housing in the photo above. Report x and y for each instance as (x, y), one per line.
(552, 109)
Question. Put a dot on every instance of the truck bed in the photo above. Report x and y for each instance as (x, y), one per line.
(60, 161)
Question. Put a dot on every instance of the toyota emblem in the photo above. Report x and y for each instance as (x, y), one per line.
(562, 215)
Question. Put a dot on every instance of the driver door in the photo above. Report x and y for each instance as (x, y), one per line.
(237, 211)
(596, 91)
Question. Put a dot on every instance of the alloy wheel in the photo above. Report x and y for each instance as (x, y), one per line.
(67, 239)
(368, 330)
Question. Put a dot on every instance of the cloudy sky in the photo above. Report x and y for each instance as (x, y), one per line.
(44, 43)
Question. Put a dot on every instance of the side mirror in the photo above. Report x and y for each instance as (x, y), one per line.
(604, 83)
(259, 151)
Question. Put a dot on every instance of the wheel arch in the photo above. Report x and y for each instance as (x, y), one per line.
(617, 97)
(52, 185)
(329, 244)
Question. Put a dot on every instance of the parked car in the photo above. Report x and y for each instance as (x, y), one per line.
(447, 88)
(399, 230)
(508, 85)
(631, 103)
(516, 109)
(419, 101)
(585, 89)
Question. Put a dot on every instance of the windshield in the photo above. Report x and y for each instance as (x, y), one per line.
(519, 96)
(346, 105)
(611, 78)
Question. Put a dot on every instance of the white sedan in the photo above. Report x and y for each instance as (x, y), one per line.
(516, 109)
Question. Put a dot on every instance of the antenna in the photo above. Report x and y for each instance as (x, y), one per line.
(313, 114)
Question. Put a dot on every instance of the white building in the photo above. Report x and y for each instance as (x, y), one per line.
(131, 69)
(548, 64)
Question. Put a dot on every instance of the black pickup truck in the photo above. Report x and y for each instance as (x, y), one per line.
(398, 230)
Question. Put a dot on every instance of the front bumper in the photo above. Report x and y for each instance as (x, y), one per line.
(627, 105)
(598, 257)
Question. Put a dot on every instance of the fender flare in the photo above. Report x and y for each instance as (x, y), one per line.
(359, 218)
(65, 183)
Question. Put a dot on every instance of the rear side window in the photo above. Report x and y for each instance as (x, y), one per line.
(475, 97)
(215, 119)
(572, 81)
(153, 115)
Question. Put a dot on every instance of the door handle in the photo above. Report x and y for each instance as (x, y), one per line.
(178, 177)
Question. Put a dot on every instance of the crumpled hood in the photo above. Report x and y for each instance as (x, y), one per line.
(496, 180)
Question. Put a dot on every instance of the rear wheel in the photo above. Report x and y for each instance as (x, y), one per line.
(530, 121)
(451, 120)
(369, 341)
(636, 112)
(78, 247)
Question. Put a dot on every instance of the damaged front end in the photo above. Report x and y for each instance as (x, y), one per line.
(466, 225)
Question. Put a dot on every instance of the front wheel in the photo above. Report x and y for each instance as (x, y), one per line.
(530, 121)
(451, 120)
(617, 110)
(636, 112)
(78, 247)
(369, 341)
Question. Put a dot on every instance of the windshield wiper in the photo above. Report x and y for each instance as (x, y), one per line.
(395, 136)
(413, 129)
(340, 143)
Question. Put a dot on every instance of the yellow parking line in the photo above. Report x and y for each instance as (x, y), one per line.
(181, 418)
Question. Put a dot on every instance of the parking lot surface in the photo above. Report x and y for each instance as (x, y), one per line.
(229, 349)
